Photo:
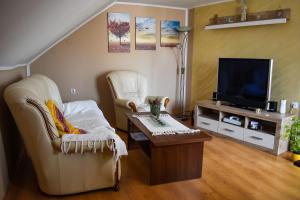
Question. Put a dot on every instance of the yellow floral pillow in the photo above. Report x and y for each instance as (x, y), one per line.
(61, 123)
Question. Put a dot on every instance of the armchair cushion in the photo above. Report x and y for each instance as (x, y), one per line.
(129, 85)
(129, 90)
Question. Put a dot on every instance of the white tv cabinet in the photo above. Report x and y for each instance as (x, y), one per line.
(209, 117)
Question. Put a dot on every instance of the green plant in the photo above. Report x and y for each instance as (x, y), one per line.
(292, 133)
(155, 103)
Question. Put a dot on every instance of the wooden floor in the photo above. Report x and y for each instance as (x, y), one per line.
(230, 171)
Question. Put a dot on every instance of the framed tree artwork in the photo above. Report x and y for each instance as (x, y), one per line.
(169, 37)
(118, 26)
(145, 33)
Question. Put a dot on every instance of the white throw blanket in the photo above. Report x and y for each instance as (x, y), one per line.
(87, 116)
(166, 125)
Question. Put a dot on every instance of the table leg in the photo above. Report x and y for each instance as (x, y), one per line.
(129, 130)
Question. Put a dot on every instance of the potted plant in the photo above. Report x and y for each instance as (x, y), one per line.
(292, 134)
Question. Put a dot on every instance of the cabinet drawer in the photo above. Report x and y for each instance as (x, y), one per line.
(261, 139)
(209, 124)
(231, 131)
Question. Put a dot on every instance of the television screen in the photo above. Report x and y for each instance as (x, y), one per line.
(245, 82)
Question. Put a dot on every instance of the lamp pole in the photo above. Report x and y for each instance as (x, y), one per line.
(182, 70)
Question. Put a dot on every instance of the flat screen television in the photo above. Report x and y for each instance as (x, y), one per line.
(245, 82)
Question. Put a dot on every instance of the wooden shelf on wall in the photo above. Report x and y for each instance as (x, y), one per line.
(253, 19)
(247, 23)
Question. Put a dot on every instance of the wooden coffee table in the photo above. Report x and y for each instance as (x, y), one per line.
(173, 157)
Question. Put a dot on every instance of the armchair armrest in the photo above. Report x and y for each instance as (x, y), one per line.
(163, 100)
(126, 103)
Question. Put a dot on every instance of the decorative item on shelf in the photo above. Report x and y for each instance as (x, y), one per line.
(215, 96)
(272, 106)
(250, 19)
(214, 20)
(279, 13)
(230, 20)
(258, 17)
(218, 103)
(292, 134)
(282, 106)
(184, 30)
(155, 105)
(243, 10)
(257, 110)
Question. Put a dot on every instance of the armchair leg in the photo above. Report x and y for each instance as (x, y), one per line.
(117, 187)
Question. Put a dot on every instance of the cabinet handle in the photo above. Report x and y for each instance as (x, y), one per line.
(256, 138)
(228, 130)
(205, 123)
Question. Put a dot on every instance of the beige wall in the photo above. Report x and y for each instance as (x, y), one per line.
(280, 42)
(82, 60)
(11, 146)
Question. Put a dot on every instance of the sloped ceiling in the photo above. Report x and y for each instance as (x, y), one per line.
(28, 27)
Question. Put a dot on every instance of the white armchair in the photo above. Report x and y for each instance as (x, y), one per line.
(129, 90)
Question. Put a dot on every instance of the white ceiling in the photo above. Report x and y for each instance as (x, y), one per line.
(28, 27)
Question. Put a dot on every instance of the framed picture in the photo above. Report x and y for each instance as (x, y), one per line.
(145, 33)
(169, 37)
(118, 26)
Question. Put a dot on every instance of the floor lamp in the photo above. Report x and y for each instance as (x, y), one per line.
(184, 30)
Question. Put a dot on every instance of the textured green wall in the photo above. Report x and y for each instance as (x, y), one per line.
(280, 42)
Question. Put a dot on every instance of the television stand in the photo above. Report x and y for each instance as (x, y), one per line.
(209, 117)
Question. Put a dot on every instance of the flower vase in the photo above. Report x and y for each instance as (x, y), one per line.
(243, 13)
(155, 110)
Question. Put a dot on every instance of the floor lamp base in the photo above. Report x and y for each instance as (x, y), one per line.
(184, 116)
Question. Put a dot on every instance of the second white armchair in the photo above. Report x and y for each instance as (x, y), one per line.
(129, 90)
